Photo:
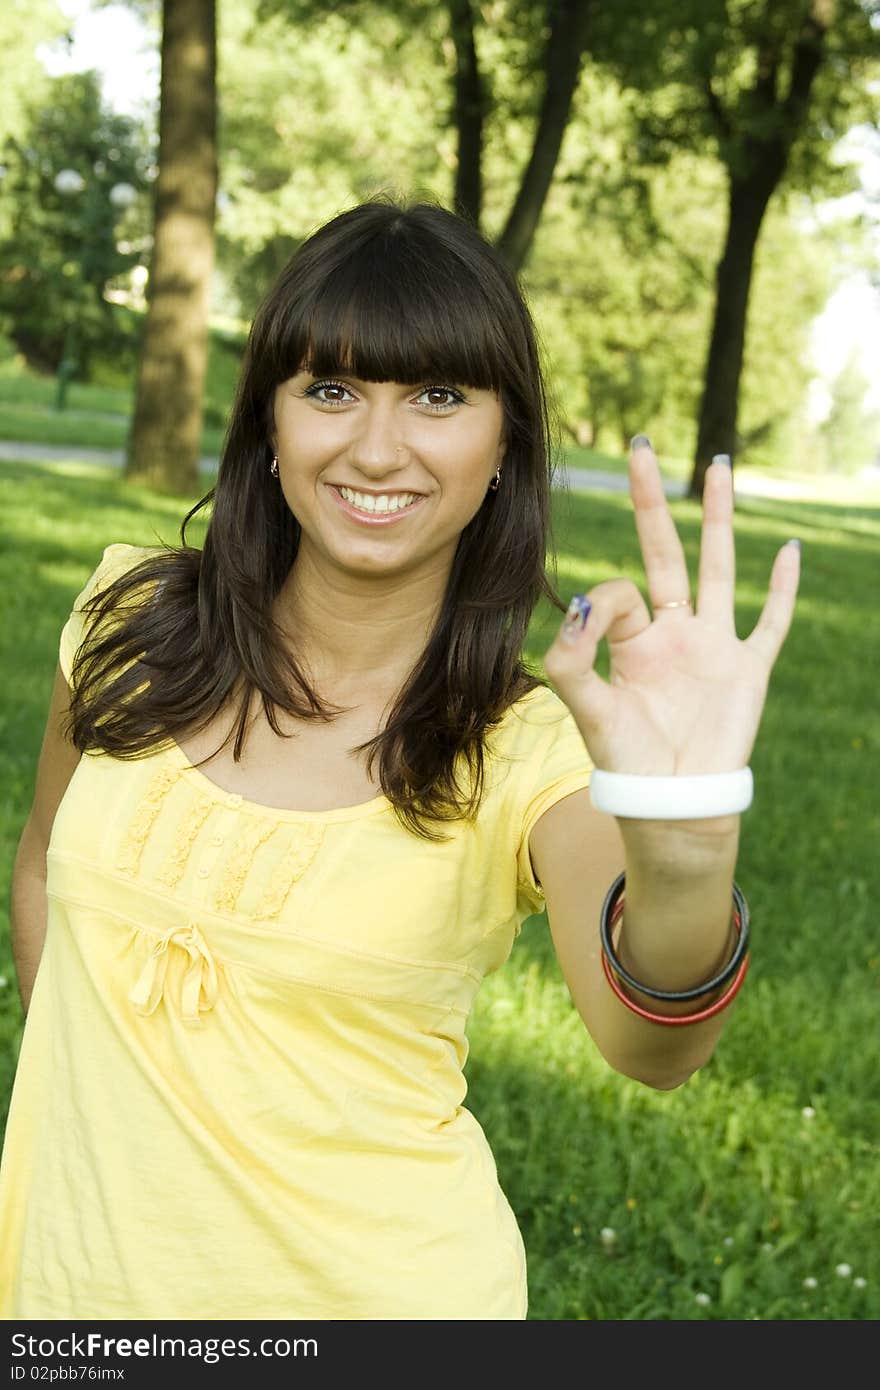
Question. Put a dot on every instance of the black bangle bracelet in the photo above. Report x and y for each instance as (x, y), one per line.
(673, 996)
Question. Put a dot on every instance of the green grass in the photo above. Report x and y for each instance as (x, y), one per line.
(763, 1171)
(578, 456)
(97, 416)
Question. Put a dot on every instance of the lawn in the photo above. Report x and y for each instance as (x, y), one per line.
(96, 415)
(754, 1190)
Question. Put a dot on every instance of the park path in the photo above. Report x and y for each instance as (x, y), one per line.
(12, 452)
(747, 483)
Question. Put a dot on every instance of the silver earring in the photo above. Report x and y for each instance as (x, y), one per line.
(496, 481)
(273, 467)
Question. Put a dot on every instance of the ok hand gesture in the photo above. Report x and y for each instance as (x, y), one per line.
(685, 694)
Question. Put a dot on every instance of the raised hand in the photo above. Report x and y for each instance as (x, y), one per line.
(684, 694)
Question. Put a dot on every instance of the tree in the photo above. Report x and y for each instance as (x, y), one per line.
(620, 273)
(165, 440)
(772, 87)
(471, 106)
(553, 36)
(755, 132)
(623, 310)
(72, 182)
(568, 26)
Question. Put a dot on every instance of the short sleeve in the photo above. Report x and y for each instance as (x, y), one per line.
(117, 558)
(559, 765)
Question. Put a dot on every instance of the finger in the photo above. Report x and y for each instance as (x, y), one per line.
(662, 550)
(716, 583)
(772, 627)
(615, 610)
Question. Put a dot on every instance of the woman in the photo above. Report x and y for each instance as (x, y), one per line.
(298, 793)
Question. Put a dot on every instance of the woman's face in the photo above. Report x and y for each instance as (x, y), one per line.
(384, 476)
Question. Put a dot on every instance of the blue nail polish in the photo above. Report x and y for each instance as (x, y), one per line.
(723, 458)
(640, 441)
(575, 619)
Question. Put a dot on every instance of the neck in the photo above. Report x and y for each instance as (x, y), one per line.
(354, 634)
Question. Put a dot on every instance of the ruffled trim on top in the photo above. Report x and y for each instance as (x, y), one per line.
(303, 846)
(239, 862)
(133, 841)
(191, 823)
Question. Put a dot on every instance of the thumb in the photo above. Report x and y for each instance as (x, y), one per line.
(613, 609)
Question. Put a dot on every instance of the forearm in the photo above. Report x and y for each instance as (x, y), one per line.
(28, 914)
(676, 932)
(678, 909)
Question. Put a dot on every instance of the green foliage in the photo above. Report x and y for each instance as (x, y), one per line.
(62, 249)
(851, 431)
(24, 25)
(625, 309)
(784, 303)
(771, 89)
(322, 105)
(754, 1183)
(720, 73)
(315, 120)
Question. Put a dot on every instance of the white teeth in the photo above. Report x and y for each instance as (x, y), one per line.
(383, 503)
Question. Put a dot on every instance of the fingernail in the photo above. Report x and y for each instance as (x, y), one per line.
(723, 458)
(575, 619)
(640, 441)
(794, 541)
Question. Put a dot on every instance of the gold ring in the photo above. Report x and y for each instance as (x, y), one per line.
(680, 603)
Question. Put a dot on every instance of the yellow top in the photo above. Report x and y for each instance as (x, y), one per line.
(239, 1092)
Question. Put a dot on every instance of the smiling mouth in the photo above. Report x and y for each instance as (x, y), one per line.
(378, 503)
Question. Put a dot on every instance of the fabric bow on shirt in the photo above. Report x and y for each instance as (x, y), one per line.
(199, 989)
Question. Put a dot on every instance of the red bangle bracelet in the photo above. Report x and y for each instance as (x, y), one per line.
(612, 910)
(674, 1020)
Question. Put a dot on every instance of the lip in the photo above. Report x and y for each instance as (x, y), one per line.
(374, 518)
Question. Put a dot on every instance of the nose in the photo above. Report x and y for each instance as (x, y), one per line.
(378, 445)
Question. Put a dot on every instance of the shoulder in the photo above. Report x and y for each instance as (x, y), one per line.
(539, 753)
(120, 557)
(538, 707)
(117, 559)
(89, 607)
(534, 722)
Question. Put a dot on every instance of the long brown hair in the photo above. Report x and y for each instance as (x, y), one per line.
(397, 293)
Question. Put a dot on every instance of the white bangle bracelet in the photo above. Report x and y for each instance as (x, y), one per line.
(671, 798)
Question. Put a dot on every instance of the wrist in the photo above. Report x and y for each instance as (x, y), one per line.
(696, 847)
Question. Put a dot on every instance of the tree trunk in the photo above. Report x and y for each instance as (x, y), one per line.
(759, 155)
(470, 106)
(716, 427)
(565, 49)
(165, 440)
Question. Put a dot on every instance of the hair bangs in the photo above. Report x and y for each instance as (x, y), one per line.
(414, 295)
(389, 314)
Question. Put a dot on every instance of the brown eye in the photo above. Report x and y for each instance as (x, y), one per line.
(316, 389)
(452, 397)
